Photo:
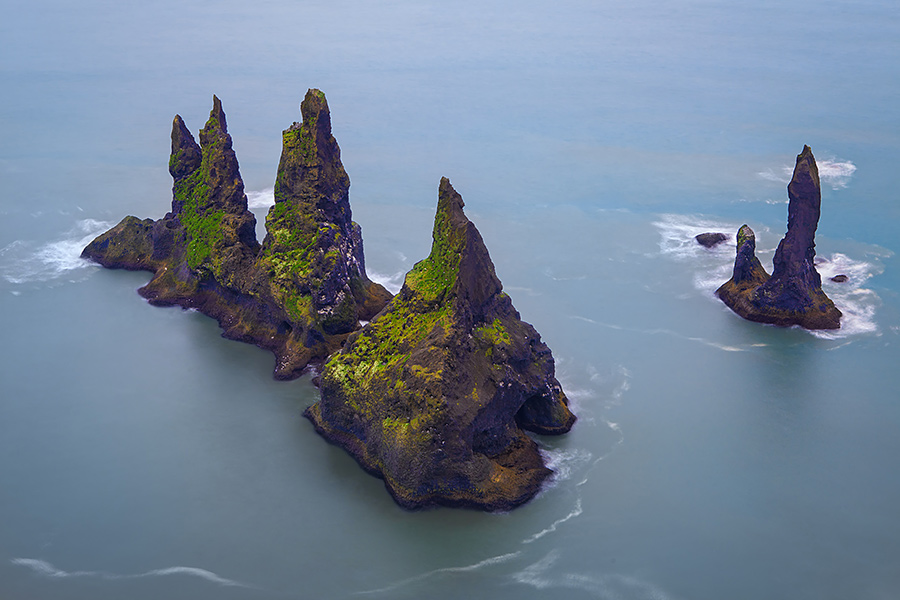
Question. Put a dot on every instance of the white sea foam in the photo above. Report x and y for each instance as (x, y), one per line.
(711, 269)
(833, 172)
(857, 303)
(576, 511)
(21, 261)
(392, 283)
(624, 377)
(545, 574)
(564, 462)
(193, 572)
(46, 569)
(578, 398)
(261, 198)
(494, 560)
(677, 234)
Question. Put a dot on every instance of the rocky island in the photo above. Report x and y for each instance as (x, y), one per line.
(793, 294)
(300, 292)
(434, 394)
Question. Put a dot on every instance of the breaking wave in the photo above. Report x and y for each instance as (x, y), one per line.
(564, 462)
(857, 303)
(261, 198)
(832, 172)
(45, 569)
(677, 234)
(392, 283)
(24, 261)
(713, 267)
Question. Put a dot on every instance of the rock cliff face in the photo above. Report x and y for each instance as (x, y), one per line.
(299, 293)
(793, 294)
(433, 395)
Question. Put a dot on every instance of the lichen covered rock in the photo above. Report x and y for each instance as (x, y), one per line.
(299, 293)
(313, 252)
(793, 294)
(433, 395)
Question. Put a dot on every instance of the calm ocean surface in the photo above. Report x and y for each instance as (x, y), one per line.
(142, 456)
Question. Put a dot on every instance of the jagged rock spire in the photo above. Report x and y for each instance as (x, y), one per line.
(186, 154)
(310, 169)
(793, 294)
(312, 247)
(433, 394)
(747, 268)
(793, 262)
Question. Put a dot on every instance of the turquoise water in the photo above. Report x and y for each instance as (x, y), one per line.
(143, 456)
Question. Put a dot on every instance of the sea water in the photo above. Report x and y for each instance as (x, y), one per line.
(143, 456)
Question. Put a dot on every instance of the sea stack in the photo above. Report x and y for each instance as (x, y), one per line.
(434, 393)
(793, 294)
(302, 291)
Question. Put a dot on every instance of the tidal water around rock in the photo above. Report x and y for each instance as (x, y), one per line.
(143, 456)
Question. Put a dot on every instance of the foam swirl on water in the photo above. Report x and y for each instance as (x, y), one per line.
(23, 261)
(713, 267)
(45, 569)
(833, 172)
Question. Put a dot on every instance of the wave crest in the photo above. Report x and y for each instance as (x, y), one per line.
(23, 261)
(833, 172)
(261, 199)
(713, 268)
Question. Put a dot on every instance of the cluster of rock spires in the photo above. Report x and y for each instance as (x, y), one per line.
(433, 394)
(300, 292)
(793, 294)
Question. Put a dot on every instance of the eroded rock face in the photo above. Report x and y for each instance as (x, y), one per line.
(433, 395)
(793, 294)
(302, 291)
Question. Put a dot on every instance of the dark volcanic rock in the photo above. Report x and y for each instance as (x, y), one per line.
(313, 250)
(710, 240)
(303, 290)
(839, 278)
(433, 395)
(793, 294)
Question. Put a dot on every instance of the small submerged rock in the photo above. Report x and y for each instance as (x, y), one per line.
(710, 240)
(793, 294)
(839, 278)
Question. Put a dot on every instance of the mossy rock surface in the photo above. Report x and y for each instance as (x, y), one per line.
(303, 290)
(433, 395)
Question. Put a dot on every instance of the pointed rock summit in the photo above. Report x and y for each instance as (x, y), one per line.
(434, 393)
(313, 251)
(302, 291)
(793, 294)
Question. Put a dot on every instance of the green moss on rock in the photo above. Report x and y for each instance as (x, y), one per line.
(429, 395)
(303, 290)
